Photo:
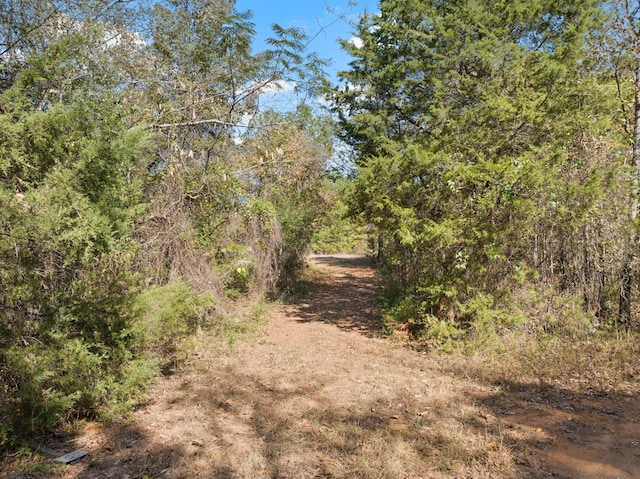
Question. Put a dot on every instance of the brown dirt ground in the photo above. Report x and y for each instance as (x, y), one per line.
(319, 393)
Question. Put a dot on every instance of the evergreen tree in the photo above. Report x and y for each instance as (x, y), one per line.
(619, 52)
(69, 196)
(466, 119)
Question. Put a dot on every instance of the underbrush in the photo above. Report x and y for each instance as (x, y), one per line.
(602, 360)
(168, 316)
(555, 342)
(531, 338)
(70, 380)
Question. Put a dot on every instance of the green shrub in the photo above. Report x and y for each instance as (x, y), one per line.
(167, 315)
(49, 382)
(339, 234)
(68, 202)
(442, 335)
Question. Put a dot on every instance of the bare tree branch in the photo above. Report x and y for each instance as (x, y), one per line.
(30, 31)
(215, 122)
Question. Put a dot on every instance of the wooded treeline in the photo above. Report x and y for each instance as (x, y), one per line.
(497, 146)
(142, 186)
(143, 183)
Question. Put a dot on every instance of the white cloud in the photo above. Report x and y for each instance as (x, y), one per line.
(279, 86)
(324, 101)
(114, 38)
(356, 42)
(246, 119)
(261, 87)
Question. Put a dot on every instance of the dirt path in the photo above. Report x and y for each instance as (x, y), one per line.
(319, 394)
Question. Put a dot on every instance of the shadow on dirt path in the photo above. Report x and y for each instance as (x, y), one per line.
(587, 435)
(341, 293)
(319, 394)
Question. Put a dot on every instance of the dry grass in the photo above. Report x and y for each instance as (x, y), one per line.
(244, 428)
(317, 394)
(597, 361)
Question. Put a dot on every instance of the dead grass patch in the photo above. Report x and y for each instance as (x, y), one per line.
(600, 361)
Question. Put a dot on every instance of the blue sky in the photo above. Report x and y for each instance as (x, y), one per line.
(329, 19)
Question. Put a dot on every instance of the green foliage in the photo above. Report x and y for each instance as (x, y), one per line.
(167, 315)
(119, 161)
(469, 121)
(236, 265)
(205, 79)
(297, 220)
(288, 184)
(407, 310)
(443, 335)
(339, 233)
(68, 206)
(212, 196)
(487, 322)
(239, 281)
(422, 324)
(262, 211)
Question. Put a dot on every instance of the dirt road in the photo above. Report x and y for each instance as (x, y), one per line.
(320, 394)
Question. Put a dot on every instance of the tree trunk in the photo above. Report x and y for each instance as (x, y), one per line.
(626, 281)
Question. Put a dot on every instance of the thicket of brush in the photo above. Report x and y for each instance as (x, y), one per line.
(134, 209)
